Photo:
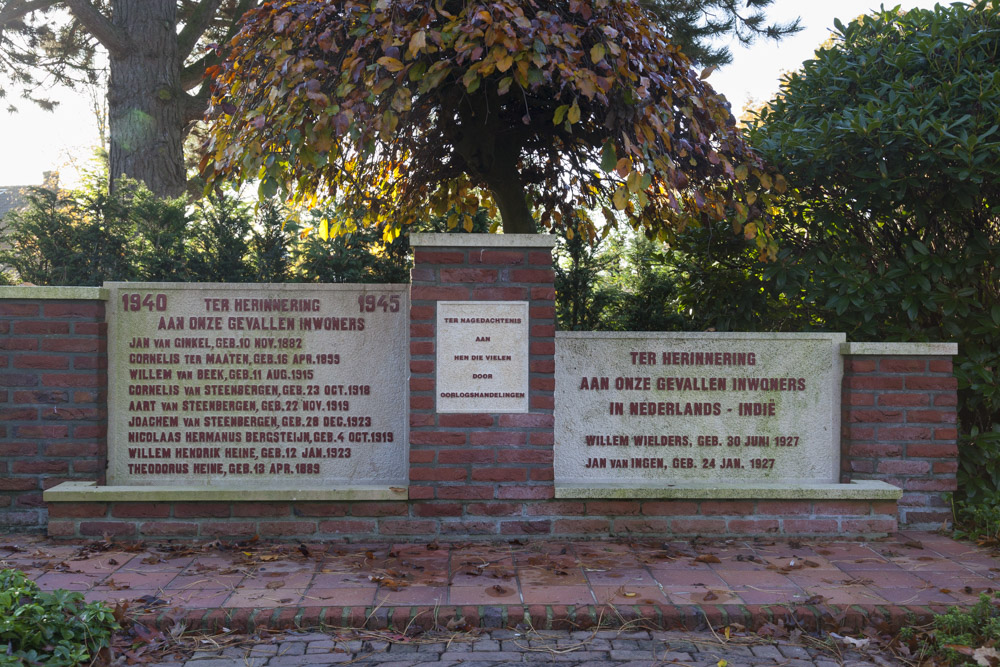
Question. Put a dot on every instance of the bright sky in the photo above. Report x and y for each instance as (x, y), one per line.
(33, 141)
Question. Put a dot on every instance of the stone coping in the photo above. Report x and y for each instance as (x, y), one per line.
(857, 490)
(249, 287)
(90, 492)
(707, 335)
(899, 349)
(483, 240)
(36, 292)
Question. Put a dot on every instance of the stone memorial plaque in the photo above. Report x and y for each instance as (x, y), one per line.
(482, 356)
(657, 409)
(257, 386)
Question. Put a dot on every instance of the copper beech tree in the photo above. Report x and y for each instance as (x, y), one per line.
(563, 112)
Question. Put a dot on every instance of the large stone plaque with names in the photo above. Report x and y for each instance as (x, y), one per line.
(257, 386)
(646, 410)
(482, 356)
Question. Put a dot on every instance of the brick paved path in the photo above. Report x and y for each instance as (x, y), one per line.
(606, 648)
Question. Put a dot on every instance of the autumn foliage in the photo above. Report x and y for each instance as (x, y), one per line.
(560, 112)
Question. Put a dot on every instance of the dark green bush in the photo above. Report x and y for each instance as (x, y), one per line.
(889, 140)
(55, 629)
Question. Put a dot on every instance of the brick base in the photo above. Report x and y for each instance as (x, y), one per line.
(402, 521)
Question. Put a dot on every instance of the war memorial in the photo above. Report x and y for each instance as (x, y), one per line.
(451, 408)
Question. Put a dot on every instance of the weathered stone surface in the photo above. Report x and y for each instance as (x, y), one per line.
(482, 356)
(642, 410)
(899, 349)
(243, 387)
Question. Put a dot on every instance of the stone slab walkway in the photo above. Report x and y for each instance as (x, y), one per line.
(817, 584)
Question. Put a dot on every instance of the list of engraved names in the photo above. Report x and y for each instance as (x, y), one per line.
(256, 385)
(664, 408)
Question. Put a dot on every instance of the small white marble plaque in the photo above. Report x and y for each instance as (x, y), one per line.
(253, 387)
(641, 410)
(482, 356)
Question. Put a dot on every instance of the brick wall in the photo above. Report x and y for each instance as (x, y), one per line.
(472, 476)
(481, 474)
(899, 426)
(53, 417)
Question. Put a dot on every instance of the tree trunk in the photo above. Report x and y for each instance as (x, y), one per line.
(145, 98)
(508, 193)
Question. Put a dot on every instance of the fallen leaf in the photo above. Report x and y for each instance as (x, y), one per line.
(851, 641)
(986, 656)
(707, 558)
(709, 596)
(496, 591)
(275, 585)
(114, 585)
(816, 599)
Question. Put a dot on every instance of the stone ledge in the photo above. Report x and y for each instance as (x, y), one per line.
(68, 293)
(858, 490)
(250, 287)
(483, 240)
(899, 349)
(90, 492)
(833, 337)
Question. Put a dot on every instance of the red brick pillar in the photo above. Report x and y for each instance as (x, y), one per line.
(53, 393)
(488, 473)
(899, 424)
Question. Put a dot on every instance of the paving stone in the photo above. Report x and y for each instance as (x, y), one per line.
(489, 656)
(307, 659)
(291, 648)
(796, 652)
(262, 649)
(486, 645)
(626, 644)
(321, 646)
(617, 654)
(574, 657)
(402, 649)
(308, 636)
(682, 646)
(382, 658)
(766, 652)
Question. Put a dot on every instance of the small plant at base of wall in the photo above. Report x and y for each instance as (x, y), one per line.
(56, 629)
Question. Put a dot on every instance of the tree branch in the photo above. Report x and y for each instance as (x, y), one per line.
(196, 26)
(194, 105)
(192, 75)
(17, 9)
(114, 40)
